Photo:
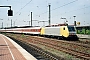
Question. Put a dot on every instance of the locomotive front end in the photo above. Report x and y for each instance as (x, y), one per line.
(72, 33)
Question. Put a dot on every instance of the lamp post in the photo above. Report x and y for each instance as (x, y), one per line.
(74, 21)
(10, 12)
(49, 15)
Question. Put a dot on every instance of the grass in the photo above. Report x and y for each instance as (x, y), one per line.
(58, 53)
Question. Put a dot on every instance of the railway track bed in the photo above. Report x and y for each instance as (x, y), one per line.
(77, 50)
(37, 52)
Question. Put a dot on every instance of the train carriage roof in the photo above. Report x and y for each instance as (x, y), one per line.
(20, 27)
(80, 27)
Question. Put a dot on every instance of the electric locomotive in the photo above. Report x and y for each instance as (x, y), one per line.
(65, 32)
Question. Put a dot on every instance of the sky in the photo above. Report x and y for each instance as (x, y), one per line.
(40, 12)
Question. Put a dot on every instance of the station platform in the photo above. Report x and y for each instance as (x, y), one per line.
(9, 50)
(83, 36)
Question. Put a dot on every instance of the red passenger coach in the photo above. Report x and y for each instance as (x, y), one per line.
(28, 30)
(33, 30)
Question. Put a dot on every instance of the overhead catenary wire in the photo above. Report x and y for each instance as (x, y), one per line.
(59, 7)
(72, 11)
(65, 5)
(40, 16)
(23, 7)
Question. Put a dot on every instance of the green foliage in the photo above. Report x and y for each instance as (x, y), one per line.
(79, 32)
(83, 31)
(22, 35)
(88, 32)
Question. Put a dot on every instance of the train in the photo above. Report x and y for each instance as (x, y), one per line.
(60, 32)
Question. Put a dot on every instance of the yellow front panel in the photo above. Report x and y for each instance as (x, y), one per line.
(42, 31)
(63, 32)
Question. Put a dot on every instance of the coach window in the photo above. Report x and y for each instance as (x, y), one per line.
(36, 29)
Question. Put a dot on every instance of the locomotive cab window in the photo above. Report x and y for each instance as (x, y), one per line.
(70, 28)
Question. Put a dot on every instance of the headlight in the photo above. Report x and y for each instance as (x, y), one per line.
(72, 34)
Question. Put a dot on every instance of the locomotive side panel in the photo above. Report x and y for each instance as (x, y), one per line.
(55, 31)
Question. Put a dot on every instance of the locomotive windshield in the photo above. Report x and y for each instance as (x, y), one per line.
(71, 28)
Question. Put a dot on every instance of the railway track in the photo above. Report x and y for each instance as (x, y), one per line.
(84, 41)
(68, 47)
(70, 51)
(37, 52)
